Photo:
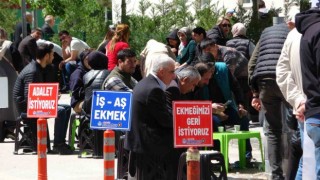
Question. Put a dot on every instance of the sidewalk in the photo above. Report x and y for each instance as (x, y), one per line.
(69, 167)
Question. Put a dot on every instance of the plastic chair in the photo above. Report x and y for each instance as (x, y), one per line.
(212, 166)
(28, 140)
(74, 124)
(123, 159)
(225, 138)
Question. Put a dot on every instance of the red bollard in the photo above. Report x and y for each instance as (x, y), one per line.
(193, 164)
(42, 149)
(108, 154)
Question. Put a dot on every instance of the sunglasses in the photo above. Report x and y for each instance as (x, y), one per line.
(226, 25)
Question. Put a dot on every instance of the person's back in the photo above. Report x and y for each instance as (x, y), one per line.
(18, 34)
(28, 46)
(94, 79)
(266, 91)
(271, 43)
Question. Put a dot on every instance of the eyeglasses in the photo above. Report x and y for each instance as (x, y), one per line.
(226, 25)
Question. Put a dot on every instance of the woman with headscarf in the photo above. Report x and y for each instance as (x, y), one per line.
(187, 47)
(240, 41)
(173, 41)
(118, 42)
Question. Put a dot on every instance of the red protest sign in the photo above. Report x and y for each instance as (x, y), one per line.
(192, 123)
(42, 100)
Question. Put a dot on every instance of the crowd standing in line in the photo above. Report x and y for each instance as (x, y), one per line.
(191, 65)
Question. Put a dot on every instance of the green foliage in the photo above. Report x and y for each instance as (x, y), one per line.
(208, 15)
(83, 19)
(8, 17)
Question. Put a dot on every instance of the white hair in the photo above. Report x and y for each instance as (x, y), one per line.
(189, 72)
(160, 62)
(238, 29)
(48, 18)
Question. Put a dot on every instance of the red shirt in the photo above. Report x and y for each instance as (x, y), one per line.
(112, 55)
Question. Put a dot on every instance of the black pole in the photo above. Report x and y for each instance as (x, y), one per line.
(23, 15)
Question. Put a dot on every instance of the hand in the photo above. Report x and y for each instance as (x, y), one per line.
(64, 44)
(61, 65)
(177, 65)
(242, 111)
(300, 112)
(174, 50)
(218, 108)
(256, 104)
(222, 116)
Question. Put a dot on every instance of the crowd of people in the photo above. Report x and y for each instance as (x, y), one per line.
(220, 65)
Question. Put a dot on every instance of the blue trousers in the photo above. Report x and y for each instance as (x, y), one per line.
(313, 131)
(61, 124)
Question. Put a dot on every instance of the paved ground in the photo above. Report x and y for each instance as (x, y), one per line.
(24, 166)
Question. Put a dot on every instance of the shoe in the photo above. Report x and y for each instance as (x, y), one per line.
(62, 149)
(64, 89)
(11, 135)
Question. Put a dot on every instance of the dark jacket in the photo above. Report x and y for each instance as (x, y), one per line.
(224, 86)
(217, 34)
(241, 44)
(308, 24)
(28, 49)
(92, 80)
(270, 46)
(76, 85)
(18, 34)
(188, 53)
(47, 31)
(151, 123)
(32, 73)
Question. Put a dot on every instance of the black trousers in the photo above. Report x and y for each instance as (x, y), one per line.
(272, 98)
(156, 167)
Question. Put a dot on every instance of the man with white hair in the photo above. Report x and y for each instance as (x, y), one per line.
(150, 140)
(240, 41)
(289, 80)
(47, 30)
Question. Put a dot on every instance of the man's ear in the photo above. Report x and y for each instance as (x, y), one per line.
(185, 80)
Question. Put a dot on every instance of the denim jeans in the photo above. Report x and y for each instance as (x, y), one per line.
(272, 98)
(313, 130)
(67, 71)
(299, 172)
(61, 124)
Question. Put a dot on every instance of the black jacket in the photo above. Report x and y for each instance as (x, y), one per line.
(270, 46)
(28, 49)
(76, 85)
(217, 34)
(47, 31)
(92, 80)
(151, 123)
(32, 73)
(308, 24)
(18, 34)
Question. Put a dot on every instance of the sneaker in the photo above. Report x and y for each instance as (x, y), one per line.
(11, 135)
(63, 149)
